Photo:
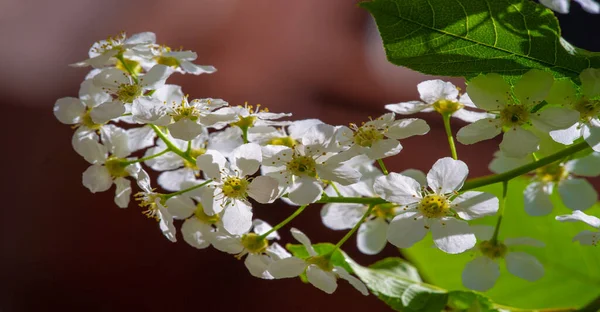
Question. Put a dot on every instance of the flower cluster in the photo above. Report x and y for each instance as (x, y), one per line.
(217, 160)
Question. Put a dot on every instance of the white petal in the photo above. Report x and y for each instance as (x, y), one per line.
(275, 251)
(523, 241)
(563, 92)
(501, 163)
(226, 243)
(554, 118)
(472, 205)
(264, 189)
(447, 175)
(360, 286)
(210, 204)
(372, 236)
(398, 188)
(257, 265)
(383, 148)
(97, 178)
(116, 140)
(304, 240)
(122, 192)
(480, 274)
(192, 68)
(225, 141)
(560, 6)
(537, 199)
(86, 144)
(589, 6)
(533, 87)
(111, 78)
(482, 232)
(587, 238)
(237, 218)
(489, 92)
(148, 110)
(247, 158)
(405, 128)
(418, 175)
(261, 227)
(341, 173)
(69, 110)
(524, 266)
(156, 76)
(567, 136)
(185, 129)
(140, 138)
(196, 233)
(588, 166)
(407, 108)
(591, 134)
(172, 180)
(342, 216)
(287, 268)
(577, 216)
(107, 111)
(180, 207)
(432, 91)
(480, 130)
(470, 116)
(324, 281)
(577, 194)
(166, 224)
(406, 229)
(211, 162)
(305, 190)
(518, 143)
(452, 236)
(299, 127)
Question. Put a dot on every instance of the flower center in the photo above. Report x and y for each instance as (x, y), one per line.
(324, 263)
(235, 187)
(367, 135)
(514, 115)
(434, 206)
(128, 92)
(447, 106)
(587, 109)
(254, 243)
(492, 250)
(167, 61)
(194, 153)
(245, 122)
(202, 216)
(551, 173)
(185, 111)
(148, 201)
(115, 167)
(386, 211)
(302, 166)
(285, 141)
(86, 121)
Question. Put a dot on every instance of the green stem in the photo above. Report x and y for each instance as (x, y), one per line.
(129, 162)
(172, 146)
(446, 118)
(494, 239)
(337, 191)
(129, 70)
(284, 222)
(167, 196)
(356, 226)
(495, 178)
(244, 134)
(382, 166)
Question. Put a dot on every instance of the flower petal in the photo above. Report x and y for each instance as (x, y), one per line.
(407, 108)
(106, 111)
(577, 194)
(489, 92)
(196, 233)
(324, 281)
(69, 110)
(472, 205)
(360, 286)
(518, 143)
(567, 136)
(304, 240)
(405, 128)
(180, 207)
(237, 218)
(247, 158)
(590, 82)
(397, 188)
(554, 118)
(156, 76)
(447, 175)
(122, 192)
(533, 87)
(588, 166)
(432, 91)
(287, 268)
(372, 236)
(264, 189)
(480, 274)
(452, 235)
(257, 265)
(406, 229)
(478, 131)
(97, 178)
(577, 215)
(587, 238)
(172, 180)
(342, 216)
(524, 266)
(537, 199)
(212, 163)
(305, 190)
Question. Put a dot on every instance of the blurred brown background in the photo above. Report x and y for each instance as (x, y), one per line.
(62, 248)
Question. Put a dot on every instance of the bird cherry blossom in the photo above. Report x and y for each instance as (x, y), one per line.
(584, 237)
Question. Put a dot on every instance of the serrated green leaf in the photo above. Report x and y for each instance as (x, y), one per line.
(469, 37)
(572, 271)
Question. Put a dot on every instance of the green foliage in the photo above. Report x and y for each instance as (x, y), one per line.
(572, 277)
(469, 37)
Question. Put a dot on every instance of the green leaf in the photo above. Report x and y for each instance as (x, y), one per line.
(469, 37)
(469, 301)
(572, 271)
(337, 258)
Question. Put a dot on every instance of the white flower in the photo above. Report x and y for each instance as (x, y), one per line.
(379, 138)
(441, 96)
(319, 270)
(300, 170)
(153, 202)
(492, 93)
(248, 116)
(482, 272)
(260, 254)
(563, 92)
(435, 210)
(180, 60)
(290, 136)
(584, 237)
(110, 165)
(576, 193)
(231, 186)
(562, 6)
(102, 53)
